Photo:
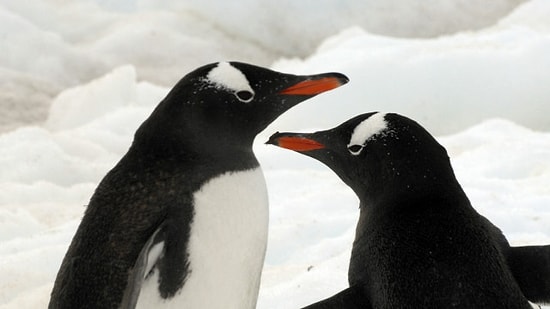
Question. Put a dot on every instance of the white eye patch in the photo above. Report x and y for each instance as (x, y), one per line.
(226, 76)
(365, 131)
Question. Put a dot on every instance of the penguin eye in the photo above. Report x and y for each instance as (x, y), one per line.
(355, 149)
(244, 95)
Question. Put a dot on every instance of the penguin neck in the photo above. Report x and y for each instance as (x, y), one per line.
(161, 142)
(173, 151)
(178, 132)
(413, 188)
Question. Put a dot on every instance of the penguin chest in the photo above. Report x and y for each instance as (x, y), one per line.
(227, 243)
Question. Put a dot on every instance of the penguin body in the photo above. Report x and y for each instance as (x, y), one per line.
(419, 243)
(181, 220)
(224, 225)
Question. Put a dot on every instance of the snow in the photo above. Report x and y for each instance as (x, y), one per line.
(501, 71)
(77, 78)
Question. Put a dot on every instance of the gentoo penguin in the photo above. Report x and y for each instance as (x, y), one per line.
(419, 243)
(181, 220)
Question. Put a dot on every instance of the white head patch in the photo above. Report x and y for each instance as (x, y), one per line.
(226, 76)
(366, 130)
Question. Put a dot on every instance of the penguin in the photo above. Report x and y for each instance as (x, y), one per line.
(419, 242)
(181, 220)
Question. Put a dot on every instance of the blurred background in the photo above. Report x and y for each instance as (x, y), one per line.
(494, 51)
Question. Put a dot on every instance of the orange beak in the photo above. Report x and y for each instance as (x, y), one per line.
(315, 86)
(296, 143)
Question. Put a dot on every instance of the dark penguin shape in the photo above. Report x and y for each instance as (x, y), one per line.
(419, 243)
(181, 220)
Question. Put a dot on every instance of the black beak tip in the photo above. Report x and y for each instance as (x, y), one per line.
(273, 139)
(343, 79)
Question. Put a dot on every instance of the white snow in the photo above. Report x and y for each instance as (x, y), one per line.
(77, 78)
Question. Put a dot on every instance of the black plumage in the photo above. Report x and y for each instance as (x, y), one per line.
(204, 127)
(419, 243)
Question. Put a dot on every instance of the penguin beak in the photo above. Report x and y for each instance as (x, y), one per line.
(317, 84)
(294, 142)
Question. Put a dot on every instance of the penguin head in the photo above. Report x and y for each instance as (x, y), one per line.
(378, 155)
(226, 104)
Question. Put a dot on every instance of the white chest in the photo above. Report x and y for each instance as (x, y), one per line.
(226, 247)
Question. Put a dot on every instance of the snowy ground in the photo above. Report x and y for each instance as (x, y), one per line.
(77, 79)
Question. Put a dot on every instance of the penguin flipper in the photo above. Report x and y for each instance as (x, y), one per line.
(351, 298)
(530, 266)
(143, 265)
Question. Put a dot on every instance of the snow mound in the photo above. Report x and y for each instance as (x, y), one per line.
(448, 83)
